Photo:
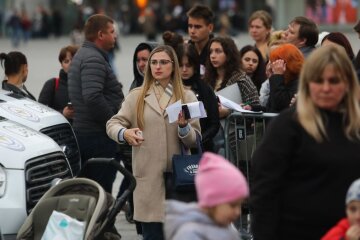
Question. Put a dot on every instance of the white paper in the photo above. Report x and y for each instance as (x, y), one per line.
(231, 92)
(196, 110)
(173, 111)
(232, 105)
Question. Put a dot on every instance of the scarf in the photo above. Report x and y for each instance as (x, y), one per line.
(163, 95)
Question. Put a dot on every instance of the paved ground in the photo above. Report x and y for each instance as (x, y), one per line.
(43, 64)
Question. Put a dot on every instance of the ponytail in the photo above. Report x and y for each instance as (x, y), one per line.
(12, 62)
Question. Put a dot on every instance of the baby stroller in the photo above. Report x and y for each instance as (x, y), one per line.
(82, 199)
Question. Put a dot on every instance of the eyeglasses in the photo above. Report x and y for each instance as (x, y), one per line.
(162, 62)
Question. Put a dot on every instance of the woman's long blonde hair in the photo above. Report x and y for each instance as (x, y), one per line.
(308, 113)
(178, 88)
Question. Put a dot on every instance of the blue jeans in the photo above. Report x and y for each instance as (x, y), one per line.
(93, 145)
(152, 230)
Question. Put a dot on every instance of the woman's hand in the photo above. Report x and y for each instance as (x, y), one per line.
(68, 112)
(278, 66)
(181, 119)
(246, 106)
(223, 112)
(133, 136)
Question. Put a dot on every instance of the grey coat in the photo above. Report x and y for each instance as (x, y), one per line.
(93, 89)
(187, 221)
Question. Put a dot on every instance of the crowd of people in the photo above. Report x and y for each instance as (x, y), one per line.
(21, 27)
(300, 172)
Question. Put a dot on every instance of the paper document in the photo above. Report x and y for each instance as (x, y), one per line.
(196, 110)
(173, 111)
(231, 92)
(232, 105)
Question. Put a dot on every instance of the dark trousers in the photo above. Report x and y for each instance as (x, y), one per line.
(152, 230)
(94, 145)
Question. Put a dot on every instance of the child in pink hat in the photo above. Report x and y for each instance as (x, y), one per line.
(221, 188)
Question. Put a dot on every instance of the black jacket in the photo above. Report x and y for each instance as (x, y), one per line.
(298, 186)
(280, 93)
(12, 88)
(204, 55)
(209, 125)
(56, 98)
(93, 89)
(138, 77)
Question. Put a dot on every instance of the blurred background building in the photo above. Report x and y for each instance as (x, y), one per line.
(44, 18)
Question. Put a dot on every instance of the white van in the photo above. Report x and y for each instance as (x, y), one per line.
(43, 119)
(29, 162)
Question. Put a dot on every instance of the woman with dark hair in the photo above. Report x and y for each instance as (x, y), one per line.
(140, 59)
(253, 64)
(223, 70)
(172, 39)
(16, 71)
(339, 39)
(189, 68)
(55, 90)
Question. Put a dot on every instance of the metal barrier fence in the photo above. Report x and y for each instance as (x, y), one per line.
(242, 133)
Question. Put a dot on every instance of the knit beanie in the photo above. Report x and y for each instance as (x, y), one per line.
(354, 192)
(218, 181)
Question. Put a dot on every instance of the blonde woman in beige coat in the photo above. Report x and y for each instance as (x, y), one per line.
(144, 124)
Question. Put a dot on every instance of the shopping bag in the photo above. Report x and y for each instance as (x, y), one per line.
(185, 167)
(62, 227)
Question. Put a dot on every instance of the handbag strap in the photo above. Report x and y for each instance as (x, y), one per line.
(198, 143)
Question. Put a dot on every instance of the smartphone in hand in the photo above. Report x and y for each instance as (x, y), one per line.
(69, 105)
(139, 133)
(186, 111)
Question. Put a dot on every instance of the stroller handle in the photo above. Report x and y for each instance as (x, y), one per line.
(112, 162)
(120, 201)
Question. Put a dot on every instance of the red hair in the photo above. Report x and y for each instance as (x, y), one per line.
(292, 56)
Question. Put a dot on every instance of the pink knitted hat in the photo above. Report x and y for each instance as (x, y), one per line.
(218, 181)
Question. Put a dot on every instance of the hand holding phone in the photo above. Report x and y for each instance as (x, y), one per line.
(186, 111)
(69, 105)
(139, 134)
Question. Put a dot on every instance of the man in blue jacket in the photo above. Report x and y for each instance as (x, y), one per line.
(95, 94)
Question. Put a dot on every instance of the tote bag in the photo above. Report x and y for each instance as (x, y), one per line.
(185, 167)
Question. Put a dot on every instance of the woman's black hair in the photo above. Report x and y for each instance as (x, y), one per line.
(259, 75)
(12, 62)
(231, 65)
(188, 50)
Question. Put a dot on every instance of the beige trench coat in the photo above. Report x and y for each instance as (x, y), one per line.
(153, 156)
